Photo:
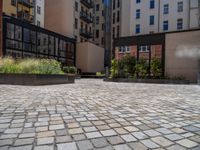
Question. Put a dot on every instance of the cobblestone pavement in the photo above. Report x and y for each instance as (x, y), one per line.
(92, 114)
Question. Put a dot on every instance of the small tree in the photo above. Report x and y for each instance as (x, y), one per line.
(156, 68)
(141, 68)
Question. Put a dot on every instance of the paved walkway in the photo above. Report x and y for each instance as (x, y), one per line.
(92, 114)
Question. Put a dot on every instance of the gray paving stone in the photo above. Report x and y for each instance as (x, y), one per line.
(92, 135)
(6, 142)
(43, 141)
(49, 147)
(122, 147)
(63, 139)
(152, 133)
(176, 147)
(150, 144)
(99, 142)
(128, 138)
(56, 127)
(85, 145)
(164, 131)
(174, 137)
(108, 133)
(28, 147)
(162, 141)
(137, 146)
(114, 140)
(13, 130)
(66, 146)
(187, 143)
(21, 142)
(140, 135)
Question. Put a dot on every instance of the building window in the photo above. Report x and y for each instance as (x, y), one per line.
(97, 7)
(180, 24)
(138, 1)
(76, 23)
(113, 32)
(118, 3)
(151, 20)
(102, 40)
(38, 10)
(76, 6)
(113, 18)
(165, 25)
(97, 20)
(166, 9)
(138, 14)
(118, 16)
(38, 23)
(13, 2)
(137, 29)
(113, 4)
(102, 27)
(124, 49)
(180, 6)
(152, 4)
(144, 49)
(117, 31)
(97, 34)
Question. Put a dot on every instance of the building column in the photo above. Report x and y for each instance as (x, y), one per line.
(198, 80)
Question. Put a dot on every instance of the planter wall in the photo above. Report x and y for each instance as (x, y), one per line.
(33, 79)
(153, 81)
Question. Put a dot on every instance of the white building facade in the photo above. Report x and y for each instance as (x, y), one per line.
(39, 11)
(139, 17)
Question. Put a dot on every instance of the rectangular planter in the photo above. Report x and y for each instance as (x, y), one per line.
(153, 81)
(35, 79)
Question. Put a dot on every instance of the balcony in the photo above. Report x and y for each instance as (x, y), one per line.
(25, 17)
(85, 17)
(85, 33)
(87, 3)
(26, 3)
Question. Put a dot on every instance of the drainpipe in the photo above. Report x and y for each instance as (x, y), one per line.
(198, 82)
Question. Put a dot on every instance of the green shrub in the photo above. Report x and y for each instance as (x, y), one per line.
(114, 69)
(156, 68)
(30, 66)
(100, 74)
(142, 68)
(70, 69)
(124, 67)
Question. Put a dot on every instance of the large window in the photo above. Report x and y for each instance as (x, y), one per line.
(144, 49)
(180, 24)
(151, 21)
(180, 6)
(166, 9)
(165, 25)
(138, 1)
(152, 4)
(137, 29)
(138, 14)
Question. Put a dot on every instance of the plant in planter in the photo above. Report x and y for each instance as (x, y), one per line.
(141, 69)
(156, 68)
(70, 70)
(30, 66)
(114, 69)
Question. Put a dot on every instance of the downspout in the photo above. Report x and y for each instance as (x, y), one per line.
(198, 78)
(159, 15)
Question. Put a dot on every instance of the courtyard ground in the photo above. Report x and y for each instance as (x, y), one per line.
(93, 114)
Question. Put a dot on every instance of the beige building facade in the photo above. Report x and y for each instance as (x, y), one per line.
(176, 66)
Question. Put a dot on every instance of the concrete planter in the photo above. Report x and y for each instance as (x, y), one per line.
(153, 81)
(35, 79)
